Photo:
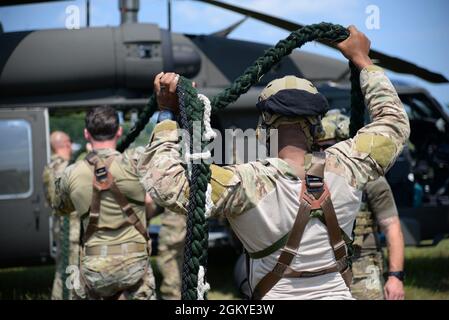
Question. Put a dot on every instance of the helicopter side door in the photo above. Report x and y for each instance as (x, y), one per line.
(24, 151)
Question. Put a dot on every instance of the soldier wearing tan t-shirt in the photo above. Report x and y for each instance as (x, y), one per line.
(115, 262)
(61, 148)
(368, 262)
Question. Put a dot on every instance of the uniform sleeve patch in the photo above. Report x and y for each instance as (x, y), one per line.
(221, 179)
(165, 125)
(380, 148)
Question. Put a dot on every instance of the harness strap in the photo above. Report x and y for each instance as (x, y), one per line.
(333, 229)
(103, 181)
(290, 273)
(128, 210)
(314, 195)
(287, 253)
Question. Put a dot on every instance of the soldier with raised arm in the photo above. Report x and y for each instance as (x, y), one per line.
(293, 213)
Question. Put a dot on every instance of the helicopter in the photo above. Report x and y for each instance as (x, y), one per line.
(48, 73)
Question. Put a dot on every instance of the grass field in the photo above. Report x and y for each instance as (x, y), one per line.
(427, 276)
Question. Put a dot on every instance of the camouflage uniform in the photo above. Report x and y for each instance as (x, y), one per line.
(260, 199)
(368, 260)
(171, 253)
(106, 275)
(53, 170)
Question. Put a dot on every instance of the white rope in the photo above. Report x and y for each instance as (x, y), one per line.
(197, 156)
(203, 286)
(209, 133)
(209, 203)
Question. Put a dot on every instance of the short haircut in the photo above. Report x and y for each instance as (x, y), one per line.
(102, 123)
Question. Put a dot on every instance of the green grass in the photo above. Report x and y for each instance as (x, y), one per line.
(26, 283)
(427, 276)
(34, 283)
(427, 272)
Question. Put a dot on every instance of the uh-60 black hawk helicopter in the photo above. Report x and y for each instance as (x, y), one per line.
(45, 74)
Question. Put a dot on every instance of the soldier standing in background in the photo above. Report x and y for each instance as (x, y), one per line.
(378, 209)
(105, 189)
(368, 262)
(61, 148)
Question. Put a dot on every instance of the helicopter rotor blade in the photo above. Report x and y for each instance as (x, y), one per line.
(225, 32)
(388, 62)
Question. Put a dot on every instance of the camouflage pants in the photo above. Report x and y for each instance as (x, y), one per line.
(109, 276)
(74, 239)
(367, 281)
(170, 254)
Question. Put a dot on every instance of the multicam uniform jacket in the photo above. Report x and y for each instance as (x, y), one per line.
(261, 199)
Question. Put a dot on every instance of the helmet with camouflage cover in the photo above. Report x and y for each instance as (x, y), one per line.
(336, 127)
(293, 100)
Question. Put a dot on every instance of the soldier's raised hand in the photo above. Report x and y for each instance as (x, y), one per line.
(165, 89)
(356, 48)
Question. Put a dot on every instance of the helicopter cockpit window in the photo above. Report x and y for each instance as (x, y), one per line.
(15, 159)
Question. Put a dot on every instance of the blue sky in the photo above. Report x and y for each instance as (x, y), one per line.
(414, 30)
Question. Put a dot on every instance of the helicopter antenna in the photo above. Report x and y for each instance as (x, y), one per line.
(87, 13)
(169, 14)
(128, 11)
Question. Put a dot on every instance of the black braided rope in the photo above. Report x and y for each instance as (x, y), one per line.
(144, 117)
(192, 110)
(272, 56)
(357, 113)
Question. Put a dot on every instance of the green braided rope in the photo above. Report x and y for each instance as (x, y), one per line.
(196, 242)
(357, 102)
(144, 117)
(65, 254)
(272, 56)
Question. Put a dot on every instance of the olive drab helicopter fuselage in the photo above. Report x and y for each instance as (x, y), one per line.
(47, 72)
